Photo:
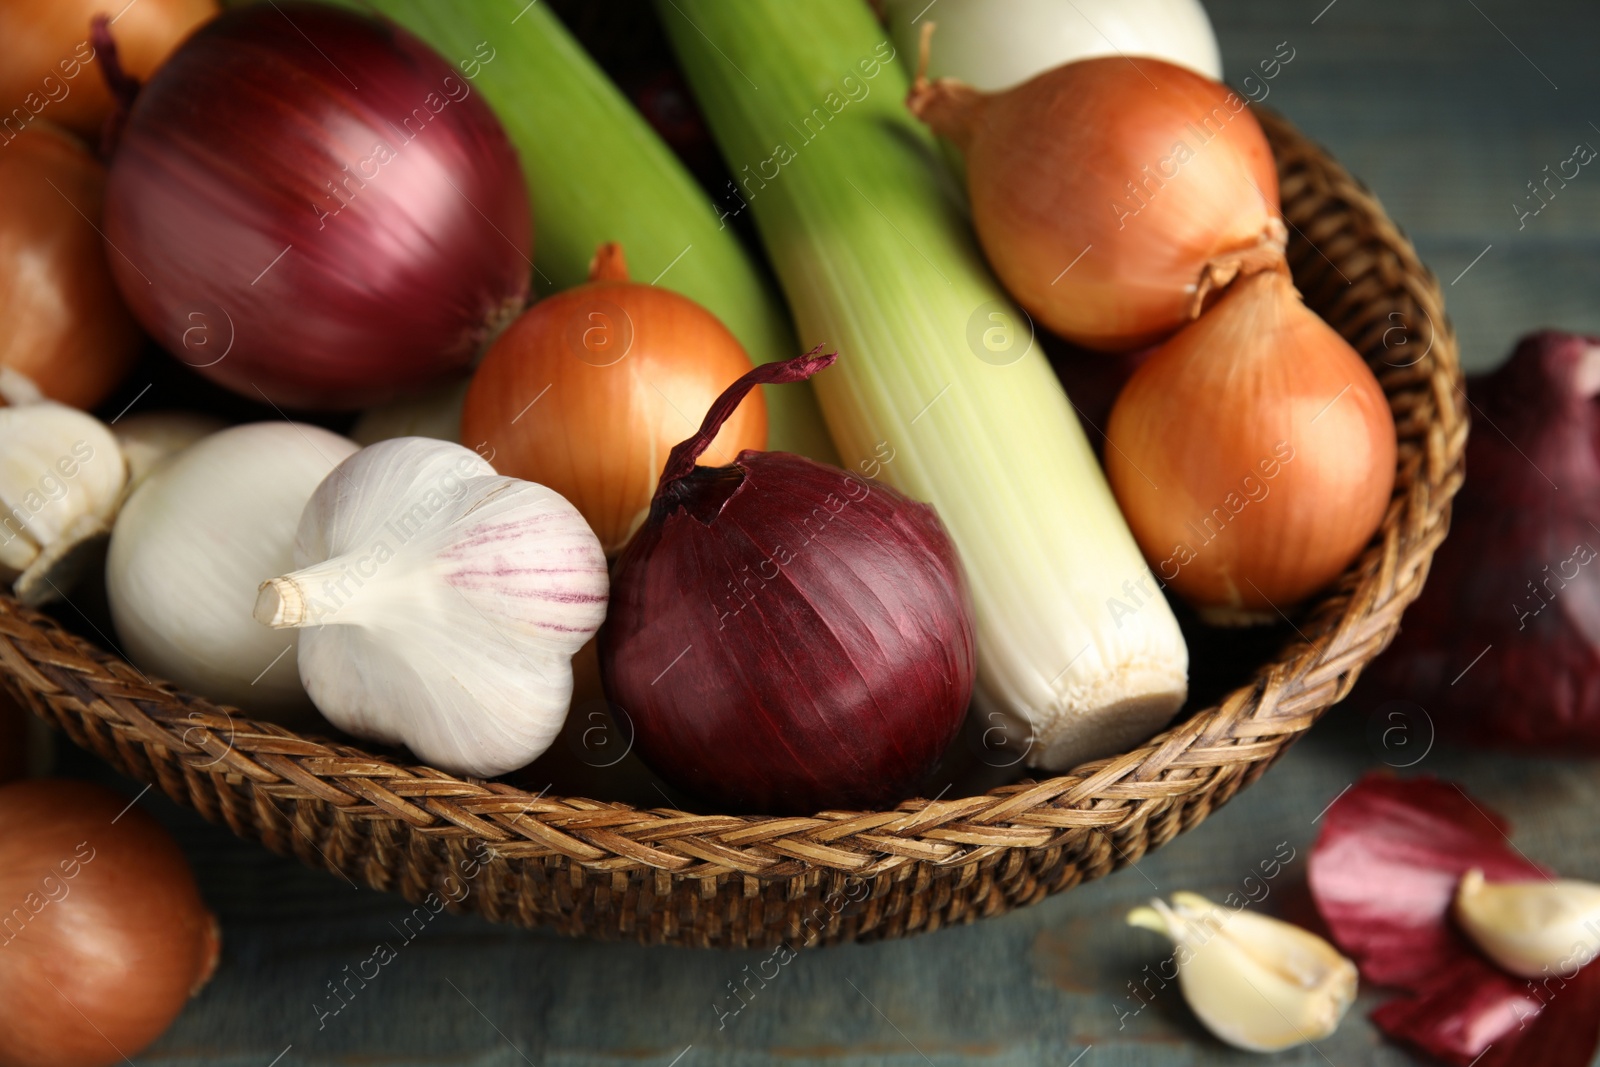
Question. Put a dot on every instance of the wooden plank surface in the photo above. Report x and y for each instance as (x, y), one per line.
(1446, 108)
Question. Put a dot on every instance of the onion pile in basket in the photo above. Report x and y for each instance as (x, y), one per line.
(313, 210)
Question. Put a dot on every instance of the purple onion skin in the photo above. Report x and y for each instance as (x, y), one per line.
(1537, 683)
(396, 269)
(807, 645)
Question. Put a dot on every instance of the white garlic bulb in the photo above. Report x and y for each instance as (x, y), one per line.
(1255, 982)
(1532, 929)
(150, 437)
(61, 479)
(191, 546)
(441, 604)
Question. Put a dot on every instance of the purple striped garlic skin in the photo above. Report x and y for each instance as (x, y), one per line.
(439, 604)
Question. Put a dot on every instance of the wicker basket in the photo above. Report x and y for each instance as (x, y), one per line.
(662, 876)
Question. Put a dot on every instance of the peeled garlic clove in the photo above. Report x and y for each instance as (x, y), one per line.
(61, 479)
(150, 437)
(441, 604)
(1532, 929)
(1255, 982)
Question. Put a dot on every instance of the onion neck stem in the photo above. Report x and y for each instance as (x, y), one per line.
(1267, 254)
(946, 106)
(124, 88)
(608, 264)
(681, 461)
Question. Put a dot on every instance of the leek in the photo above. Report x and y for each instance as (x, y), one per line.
(1078, 651)
(597, 172)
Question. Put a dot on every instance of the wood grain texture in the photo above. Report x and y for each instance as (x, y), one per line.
(1432, 106)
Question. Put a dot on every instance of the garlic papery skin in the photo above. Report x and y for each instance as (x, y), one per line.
(61, 479)
(150, 437)
(440, 604)
(1255, 982)
(1532, 929)
(193, 543)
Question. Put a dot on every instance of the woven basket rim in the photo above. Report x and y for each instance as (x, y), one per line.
(189, 745)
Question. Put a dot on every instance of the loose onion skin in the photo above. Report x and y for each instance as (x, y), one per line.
(1253, 454)
(785, 636)
(51, 69)
(626, 365)
(1085, 160)
(342, 241)
(66, 328)
(114, 939)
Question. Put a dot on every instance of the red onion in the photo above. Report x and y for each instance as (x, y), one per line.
(1503, 647)
(785, 636)
(311, 203)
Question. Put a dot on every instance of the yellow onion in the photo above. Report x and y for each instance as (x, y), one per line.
(1253, 454)
(65, 330)
(589, 390)
(105, 936)
(1112, 195)
(51, 71)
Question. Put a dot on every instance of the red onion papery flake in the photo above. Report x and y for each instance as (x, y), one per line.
(787, 637)
(310, 205)
(1383, 874)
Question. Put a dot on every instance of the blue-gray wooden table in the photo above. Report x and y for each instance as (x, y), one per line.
(1447, 109)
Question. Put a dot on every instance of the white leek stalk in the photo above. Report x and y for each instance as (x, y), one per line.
(995, 44)
(939, 389)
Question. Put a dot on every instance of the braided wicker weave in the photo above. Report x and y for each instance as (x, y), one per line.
(610, 870)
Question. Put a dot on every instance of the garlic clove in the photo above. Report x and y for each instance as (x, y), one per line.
(59, 565)
(1532, 929)
(17, 388)
(61, 480)
(440, 604)
(1255, 982)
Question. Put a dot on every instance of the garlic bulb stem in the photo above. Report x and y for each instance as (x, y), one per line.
(281, 603)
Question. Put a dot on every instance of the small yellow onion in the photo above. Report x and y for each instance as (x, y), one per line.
(66, 331)
(1253, 454)
(1112, 195)
(588, 391)
(51, 71)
